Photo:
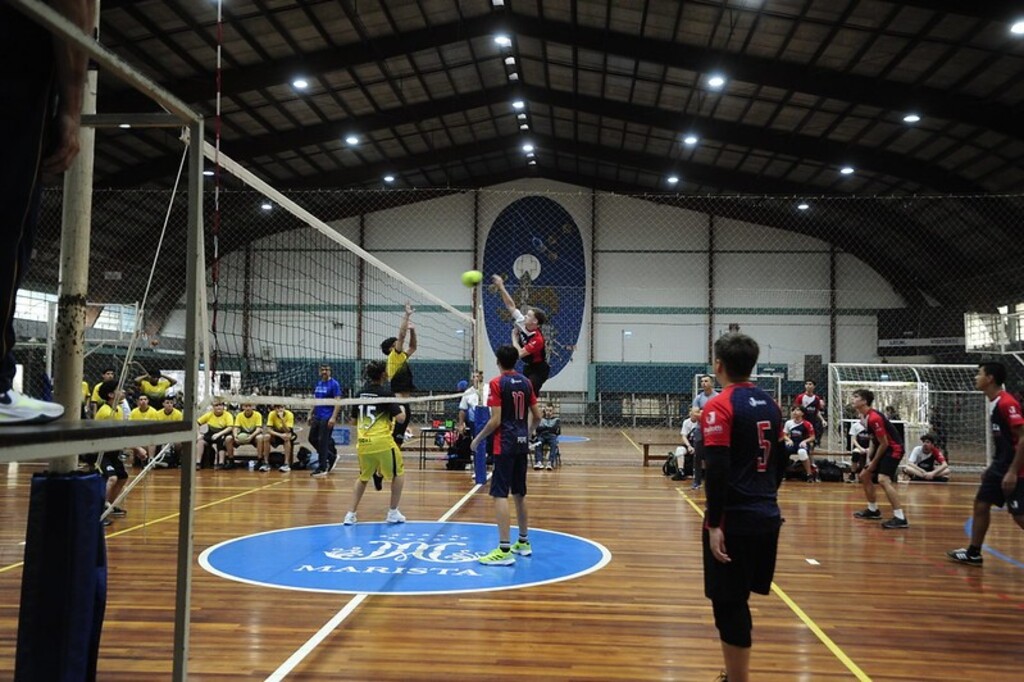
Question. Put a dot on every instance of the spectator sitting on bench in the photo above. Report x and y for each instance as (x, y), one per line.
(927, 463)
(689, 433)
(548, 430)
(860, 440)
(248, 430)
(219, 436)
(799, 439)
(281, 431)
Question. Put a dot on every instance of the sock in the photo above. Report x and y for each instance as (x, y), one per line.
(505, 546)
(974, 550)
(898, 513)
(523, 538)
(872, 506)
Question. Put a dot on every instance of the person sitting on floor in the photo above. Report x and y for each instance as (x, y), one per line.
(927, 463)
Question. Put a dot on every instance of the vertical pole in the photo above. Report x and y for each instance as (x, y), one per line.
(593, 270)
(360, 294)
(195, 267)
(476, 350)
(247, 303)
(711, 287)
(73, 289)
(833, 313)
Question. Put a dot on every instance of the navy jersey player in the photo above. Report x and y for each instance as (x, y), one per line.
(1002, 484)
(513, 402)
(742, 431)
(883, 457)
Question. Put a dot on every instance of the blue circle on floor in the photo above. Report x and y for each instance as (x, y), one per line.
(572, 439)
(417, 557)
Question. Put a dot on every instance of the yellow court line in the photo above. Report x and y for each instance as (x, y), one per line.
(638, 448)
(802, 615)
(168, 517)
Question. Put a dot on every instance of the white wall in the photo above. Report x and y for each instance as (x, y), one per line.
(649, 277)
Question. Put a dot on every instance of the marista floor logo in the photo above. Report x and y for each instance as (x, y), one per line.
(408, 558)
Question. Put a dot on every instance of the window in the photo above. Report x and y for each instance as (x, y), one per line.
(33, 305)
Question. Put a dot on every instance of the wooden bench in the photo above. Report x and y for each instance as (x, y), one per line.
(658, 458)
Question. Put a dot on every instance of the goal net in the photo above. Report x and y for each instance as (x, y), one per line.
(937, 399)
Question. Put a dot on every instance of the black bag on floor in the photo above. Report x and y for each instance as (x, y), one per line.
(829, 471)
(459, 454)
(671, 465)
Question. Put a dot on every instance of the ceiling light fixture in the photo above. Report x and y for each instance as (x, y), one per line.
(846, 170)
(513, 76)
(521, 117)
(208, 173)
(524, 126)
(125, 126)
(300, 83)
(690, 140)
(352, 140)
(803, 207)
(519, 105)
(510, 61)
(531, 162)
(1017, 28)
(716, 81)
(911, 118)
(389, 178)
(527, 147)
(498, 3)
(673, 179)
(503, 40)
(267, 206)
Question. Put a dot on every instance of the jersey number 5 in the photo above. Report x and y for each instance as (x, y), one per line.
(764, 440)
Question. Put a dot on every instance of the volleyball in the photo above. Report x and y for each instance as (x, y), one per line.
(471, 278)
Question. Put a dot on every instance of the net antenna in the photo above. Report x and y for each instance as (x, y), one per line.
(997, 333)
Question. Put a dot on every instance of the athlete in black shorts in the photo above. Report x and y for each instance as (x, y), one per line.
(884, 455)
(1002, 484)
(743, 448)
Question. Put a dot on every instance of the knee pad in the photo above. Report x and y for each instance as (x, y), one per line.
(801, 454)
(733, 622)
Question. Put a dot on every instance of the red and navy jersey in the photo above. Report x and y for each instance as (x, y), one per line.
(812, 405)
(513, 394)
(798, 433)
(1006, 417)
(879, 426)
(747, 421)
(533, 343)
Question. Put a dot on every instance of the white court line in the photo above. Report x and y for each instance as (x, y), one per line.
(336, 620)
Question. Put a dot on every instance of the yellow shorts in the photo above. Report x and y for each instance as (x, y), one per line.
(388, 462)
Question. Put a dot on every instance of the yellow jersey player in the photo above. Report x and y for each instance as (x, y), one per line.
(375, 446)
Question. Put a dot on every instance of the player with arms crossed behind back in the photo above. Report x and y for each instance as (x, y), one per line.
(742, 431)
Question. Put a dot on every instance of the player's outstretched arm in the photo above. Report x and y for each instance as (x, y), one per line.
(403, 328)
(506, 299)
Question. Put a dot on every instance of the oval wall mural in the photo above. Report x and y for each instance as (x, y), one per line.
(536, 246)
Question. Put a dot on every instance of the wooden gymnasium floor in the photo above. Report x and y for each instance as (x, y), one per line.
(884, 604)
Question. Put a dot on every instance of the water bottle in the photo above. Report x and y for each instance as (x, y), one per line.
(252, 465)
